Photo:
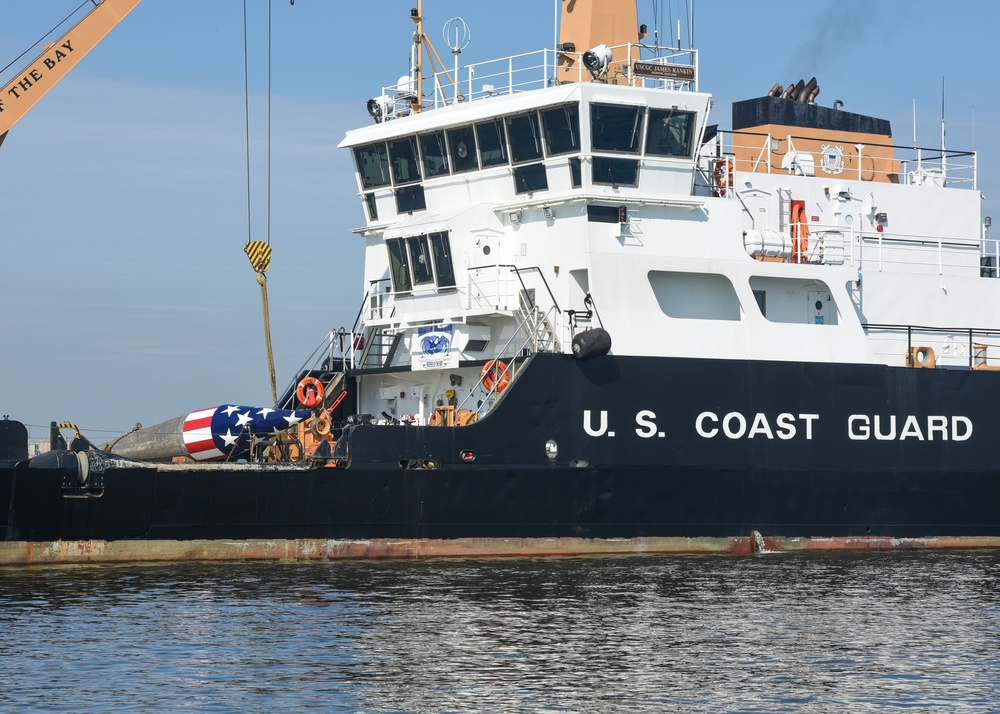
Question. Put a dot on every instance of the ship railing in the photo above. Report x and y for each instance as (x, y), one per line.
(343, 349)
(930, 347)
(492, 288)
(512, 356)
(334, 353)
(634, 64)
(885, 251)
(942, 255)
(504, 288)
(757, 152)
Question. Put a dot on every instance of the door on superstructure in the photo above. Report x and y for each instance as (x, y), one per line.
(820, 308)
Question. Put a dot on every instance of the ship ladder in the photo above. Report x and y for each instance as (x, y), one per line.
(379, 349)
(538, 333)
(334, 391)
(544, 335)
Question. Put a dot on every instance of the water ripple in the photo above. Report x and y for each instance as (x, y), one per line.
(788, 633)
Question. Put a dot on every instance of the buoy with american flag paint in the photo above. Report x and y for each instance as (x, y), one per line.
(222, 432)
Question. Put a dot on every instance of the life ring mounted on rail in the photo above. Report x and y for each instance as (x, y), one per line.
(723, 175)
(310, 391)
(495, 373)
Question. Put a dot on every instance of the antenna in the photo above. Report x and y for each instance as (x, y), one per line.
(556, 12)
(914, 123)
(670, 24)
(457, 36)
(944, 158)
(691, 32)
(943, 131)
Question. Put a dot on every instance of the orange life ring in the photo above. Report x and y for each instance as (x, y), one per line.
(310, 391)
(723, 175)
(800, 232)
(495, 373)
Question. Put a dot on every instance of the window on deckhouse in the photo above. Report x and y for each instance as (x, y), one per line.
(405, 167)
(526, 146)
(492, 143)
(399, 266)
(562, 129)
(441, 249)
(670, 132)
(435, 156)
(423, 260)
(403, 158)
(420, 252)
(373, 165)
(615, 128)
(462, 146)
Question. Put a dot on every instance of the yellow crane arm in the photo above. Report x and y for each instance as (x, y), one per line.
(58, 58)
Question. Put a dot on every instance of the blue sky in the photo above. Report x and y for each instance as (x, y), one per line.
(125, 295)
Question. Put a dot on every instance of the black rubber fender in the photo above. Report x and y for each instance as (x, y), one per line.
(592, 343)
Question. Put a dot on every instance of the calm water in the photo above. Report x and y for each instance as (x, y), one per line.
(770, 633)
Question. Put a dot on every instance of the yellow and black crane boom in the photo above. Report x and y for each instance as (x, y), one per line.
(19, 95)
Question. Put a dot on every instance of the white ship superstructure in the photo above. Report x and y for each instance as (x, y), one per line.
(534, 207)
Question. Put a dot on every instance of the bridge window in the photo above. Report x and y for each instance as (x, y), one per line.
(371, 206)
(526, 145)
(530, 178)
(614, 127)
(670, 132)
(373, 165)
(492, 143)
(525, 139)
(562, 129)
(462, 146)
(616, 172)
(403, 153)
(576, 172)
(410, 199)
(435, 156)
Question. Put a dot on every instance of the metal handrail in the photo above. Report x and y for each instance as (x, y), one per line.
(930, 164)
(508, 369)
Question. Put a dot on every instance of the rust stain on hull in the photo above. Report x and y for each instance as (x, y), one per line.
(123, 551)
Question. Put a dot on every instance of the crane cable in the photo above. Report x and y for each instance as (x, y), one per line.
(42, 38)
(259, 252)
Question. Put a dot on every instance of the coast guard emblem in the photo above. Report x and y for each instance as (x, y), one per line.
(832, 160)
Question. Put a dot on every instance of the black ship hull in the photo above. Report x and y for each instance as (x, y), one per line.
(613, 454)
